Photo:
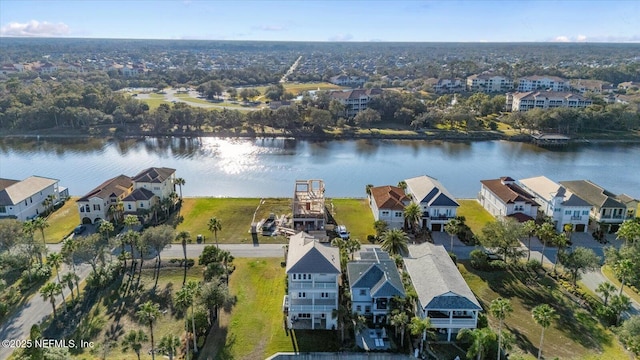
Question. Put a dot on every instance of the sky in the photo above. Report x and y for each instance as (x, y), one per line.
(321, 20)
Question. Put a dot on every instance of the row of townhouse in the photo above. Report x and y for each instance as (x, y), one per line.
(313, 273)
(346, 80)
(27, 199)
(525, 101)
(128, 195)
(576, 203)
(438, 205)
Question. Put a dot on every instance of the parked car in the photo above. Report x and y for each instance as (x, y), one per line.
(342, 232)
(79, 229)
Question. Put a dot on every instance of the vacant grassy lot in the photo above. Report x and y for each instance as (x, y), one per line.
(254, 328)
(575, 335)
(355, 214)
(61, 222)
(476, 216)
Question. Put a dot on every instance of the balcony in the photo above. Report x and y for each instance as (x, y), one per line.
(310, 308)
(307, 285)
(441, 217)
(453, 323)
(576, 218)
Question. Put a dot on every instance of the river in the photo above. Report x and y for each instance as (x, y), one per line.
(268, 167)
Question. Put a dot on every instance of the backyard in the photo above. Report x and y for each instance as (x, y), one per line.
(476, 217)
(575, 335)
(61, 222)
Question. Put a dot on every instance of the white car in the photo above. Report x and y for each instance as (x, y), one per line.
(342, 232)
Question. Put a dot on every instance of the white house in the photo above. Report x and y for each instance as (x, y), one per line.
(524, 101)
(374, 280)
(606, 209)
(536, 82)
(345, 80)
(488, 83)
(387, 204)
(503, 197)
(96, 203)
(437, 204)
(313, 273)
(160, 181)
(443, 295)
(561, 205)
(23, 200)
(356, 100)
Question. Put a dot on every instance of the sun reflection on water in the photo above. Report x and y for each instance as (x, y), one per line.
(233, 156)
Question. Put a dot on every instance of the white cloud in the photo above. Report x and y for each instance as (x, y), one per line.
(34, 28)
(341, 37)
(581, 38)
(593, 39)
(270, 28)
(561, 38)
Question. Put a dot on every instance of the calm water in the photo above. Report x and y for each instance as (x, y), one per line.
(268, 167)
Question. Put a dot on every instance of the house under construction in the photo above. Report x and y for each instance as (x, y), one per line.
(308, 206)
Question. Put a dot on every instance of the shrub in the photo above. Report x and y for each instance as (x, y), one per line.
(372, 239)
(534, 265)
(497, 265)
(478, 259)
(453, 257)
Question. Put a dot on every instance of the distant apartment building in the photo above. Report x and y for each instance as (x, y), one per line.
(48, 68)
(446, 86)
(524, 101)
(355, 100)
(489, 83)
(593, 86)
(346, 80)
(535, 82)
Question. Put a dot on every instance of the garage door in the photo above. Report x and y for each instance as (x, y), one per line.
(436, 227)
(580, 228)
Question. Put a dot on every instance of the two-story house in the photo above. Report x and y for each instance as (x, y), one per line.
(96, 203)
(160, 181)
(561, 205)
(387, 204)
(606, 210)
(374, 280)
(503, 197)
(437, 204)
(24, 200)
(313, 273)
(443, 295)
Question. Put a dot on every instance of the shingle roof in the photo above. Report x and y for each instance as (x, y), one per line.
(19, 190)
(507, 191)
(548, 189)
(139, 194)
(113, 187)
(307, 255)
(436, 279)
(389, 197)
(154, 175)
(593, 194)
(547, 94)
(429, 190)
(377, 272)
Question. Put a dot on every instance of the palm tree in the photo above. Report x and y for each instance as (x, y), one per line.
(529, 227)
(561, 241)
(395, 241)
(214, 294)
(419, 327)
(381, 226)
(367, 189)
(147, 314)
(500, 308)
(183, 301)
(106, 228)
(620, 303)
(351, 246)
(400, 321)
(133, 340)
(130, 221)
(402, 185)
(48, 203)
(179, 182)
(623, 269)
(343, 315)
(214, 226)
(41, 223)
(480, 340)
(68, 279)
(55, 260)
(184, 237)
(452, 228)
(168, 345)
(543, 316)
(49, 292)
(412, 216)
(629, 231)
(605, 289)
(546, 233)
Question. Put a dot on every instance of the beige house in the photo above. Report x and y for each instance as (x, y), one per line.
(24, 200)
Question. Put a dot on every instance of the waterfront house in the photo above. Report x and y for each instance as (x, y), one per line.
(387, 204)
(24, 200)
(313, 273)
(607, 211)
(308, 210)
(443, 295)
(96, 203)
(355, 100)
(160, 181)
(561, 205)
(630, 203)
(373, 281)
(524, 101)
(503, 197)
(437, 204)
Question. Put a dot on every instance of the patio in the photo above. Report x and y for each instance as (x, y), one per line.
(373, 339)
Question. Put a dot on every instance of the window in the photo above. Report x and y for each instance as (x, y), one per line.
(585, 212)
(87, 208)
(141, 205)
(3, 209)
(398, 214)
(358, 308)
(81, 209)
(304, 276)
(156, 188)
(385, 213)
(129, 206)
(567, 212)
(367, 309)
(363, 292)
(302, 295)
(96, 207)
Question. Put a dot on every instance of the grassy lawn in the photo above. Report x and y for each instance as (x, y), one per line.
(575, 335)
(355, 214)
(297, 88)
(235, 214)
(608, 273)
(155, 102)
(476, 216)
(61, 222)
(254, 327)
